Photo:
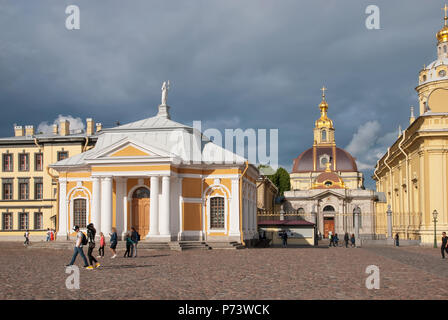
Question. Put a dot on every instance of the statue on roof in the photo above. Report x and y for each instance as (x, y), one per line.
(165, 88)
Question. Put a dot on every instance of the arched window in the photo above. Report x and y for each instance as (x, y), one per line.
(141, 193)
(328, 209)
(80, 213)
(324, 135)
(301, 211)
(217, 213)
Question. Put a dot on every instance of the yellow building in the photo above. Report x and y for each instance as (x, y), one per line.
(28, 189)
(266, 193)
(165, 179)
(413, 173)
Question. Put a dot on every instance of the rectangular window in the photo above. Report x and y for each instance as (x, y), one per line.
(62, 155)
(38, 220)
(7, 162)
(24, 162)
(24, 188)
(80, 213)
(23, 221)
(7, 191)
(39, 162)
(217, 213)
(7, 221)
(38, 191)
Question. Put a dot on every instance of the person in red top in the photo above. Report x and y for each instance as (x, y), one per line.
(102, 244)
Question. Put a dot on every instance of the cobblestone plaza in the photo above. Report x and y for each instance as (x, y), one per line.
(272, 273)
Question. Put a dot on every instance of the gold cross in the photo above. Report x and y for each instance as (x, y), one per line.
(445, 9)
(323, 91)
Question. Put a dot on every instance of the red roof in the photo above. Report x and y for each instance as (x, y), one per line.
(285, 223)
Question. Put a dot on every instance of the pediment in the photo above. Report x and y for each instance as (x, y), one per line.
(130, 149)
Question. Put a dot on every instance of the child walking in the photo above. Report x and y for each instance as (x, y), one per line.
(102, 244)
(129, 246)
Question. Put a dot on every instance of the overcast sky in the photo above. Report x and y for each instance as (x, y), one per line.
(232, 64)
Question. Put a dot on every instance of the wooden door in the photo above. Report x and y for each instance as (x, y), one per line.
(328, 226)
(140, 211)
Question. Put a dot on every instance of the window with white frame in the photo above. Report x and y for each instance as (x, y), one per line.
(7, 221)
(80, 213)
(217, 213)
(23, 221)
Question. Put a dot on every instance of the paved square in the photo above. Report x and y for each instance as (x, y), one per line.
(273, 273)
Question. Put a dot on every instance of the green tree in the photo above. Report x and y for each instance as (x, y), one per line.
(281, 180)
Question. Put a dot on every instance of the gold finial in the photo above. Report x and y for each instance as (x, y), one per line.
(323, 92)
(327, 166)
(445, 9)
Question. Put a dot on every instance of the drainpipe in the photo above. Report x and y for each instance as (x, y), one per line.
(378, 179)
(85, 145)
(407, 180)
(391, 179)
(241, 202)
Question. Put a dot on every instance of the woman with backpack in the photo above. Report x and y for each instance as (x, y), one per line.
(91, 241)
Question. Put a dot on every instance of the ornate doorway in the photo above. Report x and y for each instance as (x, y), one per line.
(328, 226)
(140, 211)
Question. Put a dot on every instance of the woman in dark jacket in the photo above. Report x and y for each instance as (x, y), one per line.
(113, 242)
(91, 240)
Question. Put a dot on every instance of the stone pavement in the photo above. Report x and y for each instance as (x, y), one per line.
(272, 273)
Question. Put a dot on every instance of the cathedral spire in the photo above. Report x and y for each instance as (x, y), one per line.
(323, 128)
(442, 35)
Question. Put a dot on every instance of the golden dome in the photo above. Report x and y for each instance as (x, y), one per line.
(323, 121)
(442, 35)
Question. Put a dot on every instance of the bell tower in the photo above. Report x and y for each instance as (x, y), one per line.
(323, 127)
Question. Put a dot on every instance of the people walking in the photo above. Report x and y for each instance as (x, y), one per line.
(113, 243)
(91, 232)
(48, 235)
(352, 240)
(346, 239)
(397, 240)
(102, 244)
(336, 240)
(27, 238)
(331, 239)
(135, 237)
(129, 246)
(80, 239)
(51, 235)
(444, 246)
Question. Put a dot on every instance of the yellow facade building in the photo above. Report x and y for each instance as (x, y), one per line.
(413, 174)
(29, 189)
(165, 179)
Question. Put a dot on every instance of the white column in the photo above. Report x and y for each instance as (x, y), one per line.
(234, 210)
(120, 214)
(154, 208)
(96, 203)
(106, 205)
(125, 212)
(389, 223)
(164, 217)
(181, 213)
(63, 214)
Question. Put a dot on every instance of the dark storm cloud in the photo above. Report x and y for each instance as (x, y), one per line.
(253, 63)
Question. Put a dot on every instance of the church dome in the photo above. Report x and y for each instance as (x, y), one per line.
(442, 35)
(315, 158)
(328, 180)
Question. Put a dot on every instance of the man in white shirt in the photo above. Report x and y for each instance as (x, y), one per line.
(78, 248)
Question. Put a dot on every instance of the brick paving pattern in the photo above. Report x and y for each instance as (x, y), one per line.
(272, 273)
